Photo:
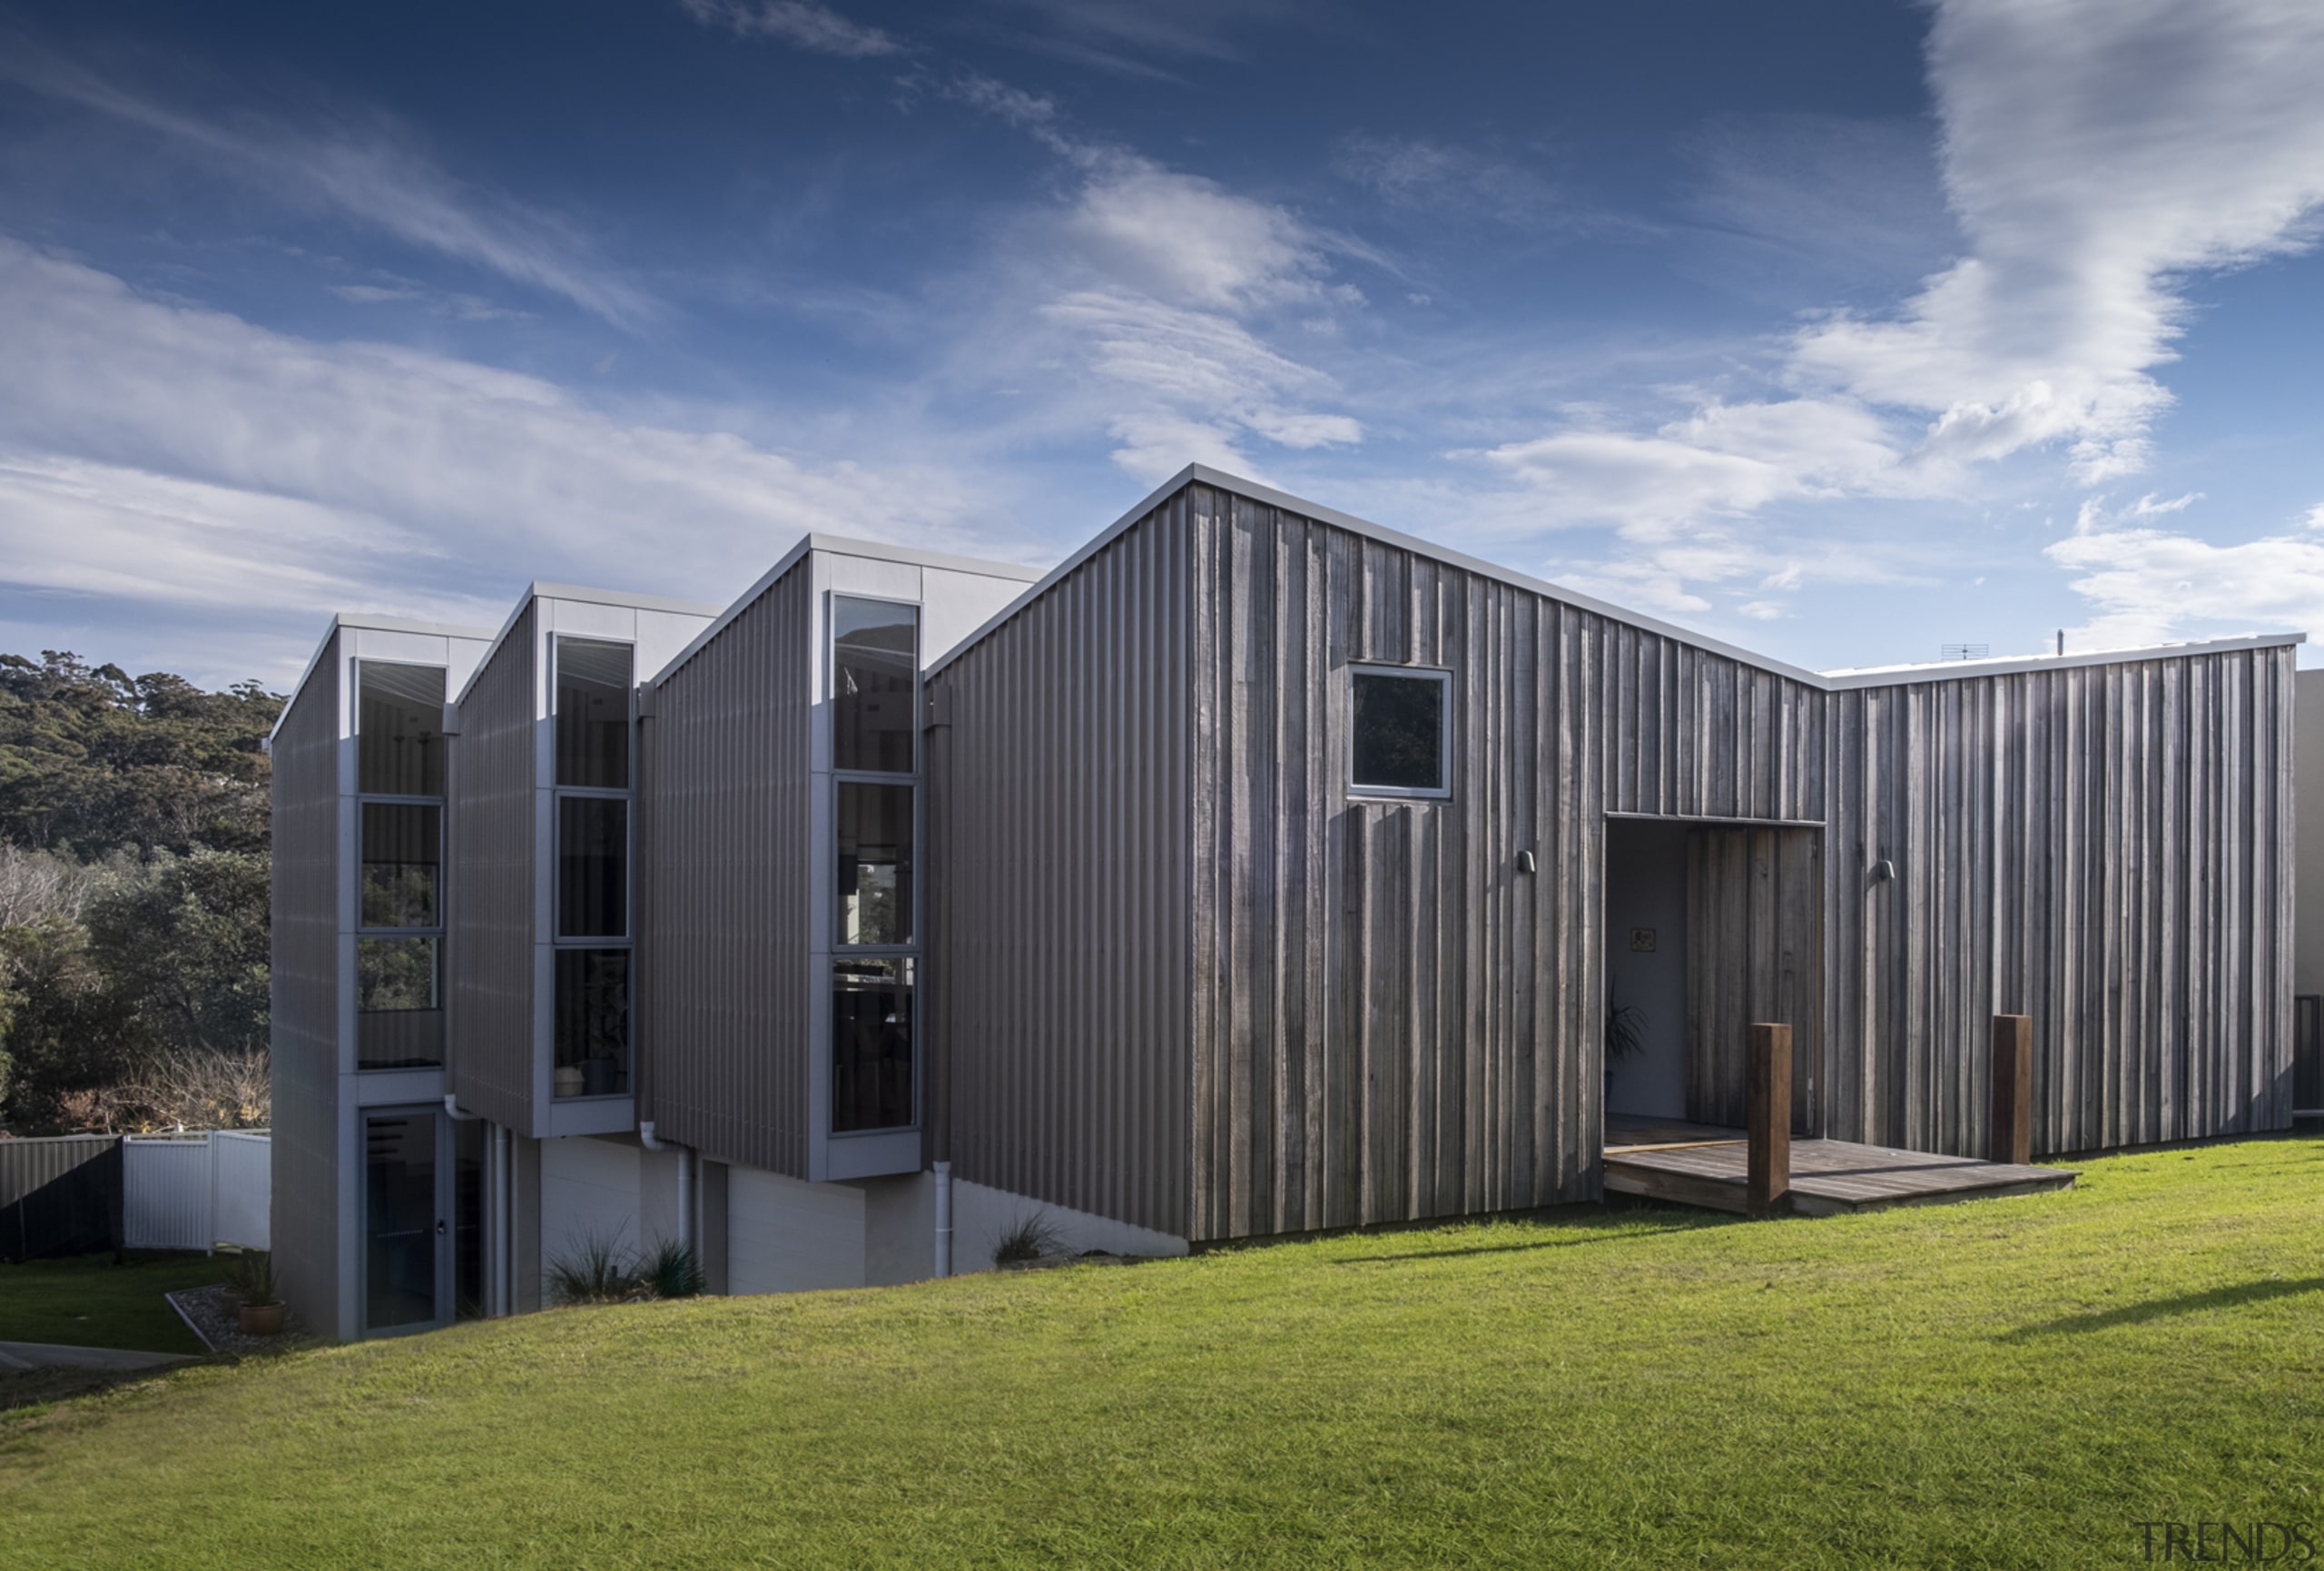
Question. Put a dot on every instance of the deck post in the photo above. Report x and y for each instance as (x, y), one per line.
(2013, 1130)
(1767, 1091)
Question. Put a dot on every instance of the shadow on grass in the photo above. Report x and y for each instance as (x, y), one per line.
(2162, 1309)
(1603, 1235)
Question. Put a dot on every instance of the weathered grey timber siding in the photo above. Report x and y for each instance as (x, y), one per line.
(2108, 848)
(489, 886)
(723, 843)
(1392, 1021)
(1059, 974)
(1755, 951)
(303, 982)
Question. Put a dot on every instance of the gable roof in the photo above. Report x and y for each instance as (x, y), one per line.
(1830, 682)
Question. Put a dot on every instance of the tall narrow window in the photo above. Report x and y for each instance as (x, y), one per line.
(1398, 732)
(875, 676)
(875, 761)
(400, 897)
(590, 1007)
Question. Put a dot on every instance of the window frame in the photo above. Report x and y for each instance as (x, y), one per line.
(1443, 676)
(627, 940)
(912, 954)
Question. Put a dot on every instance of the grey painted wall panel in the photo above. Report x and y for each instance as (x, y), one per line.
(489, 885)
(304, 983)
(1058, 976)
(723, 840)
(2106, 847)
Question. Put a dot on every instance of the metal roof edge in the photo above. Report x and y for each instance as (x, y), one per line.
(342, 619)
(1267, 496)
(1851, 680)
(837, 546)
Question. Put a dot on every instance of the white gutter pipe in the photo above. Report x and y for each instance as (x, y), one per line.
(944, 1219)
(685, 1179)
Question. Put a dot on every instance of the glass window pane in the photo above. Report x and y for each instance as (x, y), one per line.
(875, 664)
(592, 1026)
(402, 851)
(592, 867)
(874, 864)
(398, 730)
(1399, 731)
(871, 1056)
(399, 1014)
(394, 974)
(592, 686)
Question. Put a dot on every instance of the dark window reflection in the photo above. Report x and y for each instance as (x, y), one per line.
(593, 685)
(402, 857)
(871, 1056)
(875, 662)
(874, 864)
(592, 1022)
(399, 1221)
(398, 730)
(593, 867)
(399, 1014)
(1399, 731)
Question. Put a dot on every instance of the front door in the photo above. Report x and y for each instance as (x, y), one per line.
(423, 1234)
(404, 1223)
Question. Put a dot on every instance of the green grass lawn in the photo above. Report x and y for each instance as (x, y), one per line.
(2012, 1383)
(90, 1302)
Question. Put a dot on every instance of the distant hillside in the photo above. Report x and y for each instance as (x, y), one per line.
(133, 875)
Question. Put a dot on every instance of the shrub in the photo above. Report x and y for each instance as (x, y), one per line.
(251, 1274)
(1029, 1238)
(598, 1270)
(673, 1271)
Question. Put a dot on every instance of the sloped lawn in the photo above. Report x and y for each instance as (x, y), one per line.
(2012, 1383)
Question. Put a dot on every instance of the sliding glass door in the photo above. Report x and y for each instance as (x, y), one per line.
(423, 1219)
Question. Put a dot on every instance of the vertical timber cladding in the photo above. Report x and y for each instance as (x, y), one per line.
(1755, 953)
(2106, 848)
(722, 934)
(1058, 821)
(1391, 1022)
(492, 812)
(303, 1053)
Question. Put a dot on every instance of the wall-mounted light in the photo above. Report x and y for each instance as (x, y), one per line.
(1883, 871)
(1524, 862)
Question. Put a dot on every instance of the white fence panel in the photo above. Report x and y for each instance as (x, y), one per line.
(165, 1192)
(191, 1191)
(242, 1182)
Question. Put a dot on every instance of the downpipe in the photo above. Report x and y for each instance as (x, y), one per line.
(944, 1219)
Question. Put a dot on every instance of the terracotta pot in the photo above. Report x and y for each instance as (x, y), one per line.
(262, 1319)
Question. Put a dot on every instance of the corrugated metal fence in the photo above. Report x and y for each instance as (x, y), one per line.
(60, 1196)
(77, 1194)
(185, 1191)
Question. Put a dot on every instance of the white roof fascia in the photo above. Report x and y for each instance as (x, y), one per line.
(539, 589)
(838, 545)
(382, 624)
(2011, 664)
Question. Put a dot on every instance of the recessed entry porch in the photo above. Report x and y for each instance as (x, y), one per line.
(1706, 1165)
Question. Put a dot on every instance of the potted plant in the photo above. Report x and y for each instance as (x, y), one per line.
(262, 1309)
(1625, 1034)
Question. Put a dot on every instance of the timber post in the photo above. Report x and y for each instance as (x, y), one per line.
(1768, 1095)
(2013, 1128)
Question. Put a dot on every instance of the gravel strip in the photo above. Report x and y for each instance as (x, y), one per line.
(204, 1309)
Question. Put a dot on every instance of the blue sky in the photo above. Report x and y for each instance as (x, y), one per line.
(1843, 330)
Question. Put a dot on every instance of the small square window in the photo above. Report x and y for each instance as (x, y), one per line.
(1399, 747)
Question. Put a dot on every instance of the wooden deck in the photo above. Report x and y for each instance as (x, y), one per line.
(1703, 1165)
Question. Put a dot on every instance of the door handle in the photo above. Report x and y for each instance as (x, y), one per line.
(439, 1227)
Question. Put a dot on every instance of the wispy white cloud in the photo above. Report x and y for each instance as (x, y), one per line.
(801, 24)
(364, 169)
(2097, 155)
(180, 458)
(2145, 584)
(1130, 31)
(1439, 177)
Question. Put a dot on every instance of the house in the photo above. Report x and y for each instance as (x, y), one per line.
(1257, 870)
